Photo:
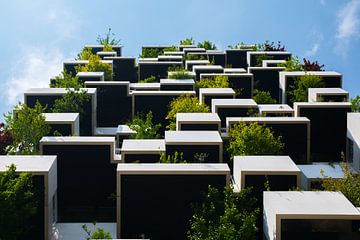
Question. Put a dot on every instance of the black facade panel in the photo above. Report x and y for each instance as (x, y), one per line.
(158, 70)
(124, 69)
(242, 85)
(234, 112)
(198, 127)
(207, 99)
(63, 129)
(254, 57)
(177, 87)
(142, 158)
(267, 80)
(236, 58)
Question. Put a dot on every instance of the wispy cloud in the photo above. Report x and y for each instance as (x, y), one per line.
(348, 18)
(32, 70)
(313, 51)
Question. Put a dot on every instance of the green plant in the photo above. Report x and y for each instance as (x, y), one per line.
(218, 81)
(261, 58)
(27, 126)
(18, 203)
(355, 104)
(150, 53)
(253, 139)
(66, 80)
(292, 65)
(176, 158)
(263, 97)
(226, 215)
(151, 79)
(184, 104)
(108, 39)
(171, 49)
(349, 185)
(85, 54)
(6, 139)
(187, 41)
(95, 65)
(207, 45)
(200, 157)
(183, 74)
(107, 48)
(144, 127)
(99, 233)
(299, 90)
(195, 57)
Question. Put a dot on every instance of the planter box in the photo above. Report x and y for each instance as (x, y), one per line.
(236, 58)
(241, 83)
(272, 63)
(142, 150)
(174, 53)
(190, 63)
(206, 95)
(90, 76)
(148, 60)
(198, 122)
(170, 73)
(233, 108)
(169, 58)
(145, 86)
(47, 96)
(69, 66)
(159, 48)
(353, 141)
(235, 70)
(114, 104)
(328, 128)
(86, 176)
(309, 215)
(267, 79)
(327, 95)
(182, 47)
(44, 171)
(193, 50)
(276, 110)
(120, 133)
(312, 175)
(124, 69)
(157, 69)
(254, 171)
(214, 56)
(207, 69)
(295, 133)
(331, 80)
(67, 124)
(102, 54)
(252, 56)
(177, 85)
(99, 48)
(191, 143)
(153, 193)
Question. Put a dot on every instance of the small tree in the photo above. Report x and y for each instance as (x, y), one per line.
(108, 39)
(179, 73)
(95, 65)
(261, 58)
(207, 45)
(176, 158)
(263, 97)
(184, 104)
(292, 65)
(216, 82)
(150, 53)
(144, 127)
(355, 104)
(27, 126)
(99, 233)
(6, 139)
(85, 54)
(187, 41)
(18, 203)
(312, 66)
(253, 139)
(299, 90)
(224, 216)
(349, 185)
(66, 80)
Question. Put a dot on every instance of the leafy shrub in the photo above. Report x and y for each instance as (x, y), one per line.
(151, 79)
(99, 233)
(176, 158)
(299, 90)
(66, 80)
(5, 139)
(108, 39)
(27, 126)
(85, 54)
(183, 74)
(349, 185)
(207, 45)
(150, 53)
(292, 65)
(261, 58)
(171, 49)
(218, 81)
(108, 48)
(195, 57)
(312, 66)
(184, 104)
(355, 104)
(187, 41)
(253, 139)
(226, 215)
(144, 127)
(18, 203)
(95, 65)
(263, 97)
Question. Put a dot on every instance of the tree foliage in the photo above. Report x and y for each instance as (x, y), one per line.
(150, 53)
(85, 54)
(27, 126)
(99, 233)
(95, 65)
(226, 215)
(218, 81)
(175, 158)
(6, 139)
(292, 65)
(66, 80)
(184, 104)
(18, 203)
(144, 127)
(261, 58)
(349, 185)
(187, 41)
(151, 79)
(263, 97)
(179, 73)
(312, 66)
(355, 104)
(207, 45)
(299, 90)
(108, 39)
(253, 139)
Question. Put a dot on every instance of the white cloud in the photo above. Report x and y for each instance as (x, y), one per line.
(313, 51)
(348, 18)
(32, 70)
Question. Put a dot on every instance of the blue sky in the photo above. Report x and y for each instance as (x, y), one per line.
(37, 36)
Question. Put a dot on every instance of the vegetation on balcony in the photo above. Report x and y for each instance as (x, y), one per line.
(175, 158)
(355, 104)
(66, 80)
(151, 79)
(187, 41)
(144, 127)
(6, 138)
(97, 233)
(218, 81)
(207, 45)
(263, 97)
(298, 91)
(96, 65)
